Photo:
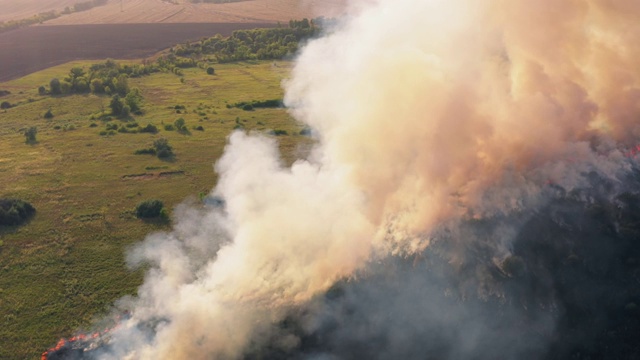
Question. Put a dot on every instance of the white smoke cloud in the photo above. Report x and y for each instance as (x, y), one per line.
(427, 112)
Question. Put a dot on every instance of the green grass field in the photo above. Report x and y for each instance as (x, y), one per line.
(65, 268)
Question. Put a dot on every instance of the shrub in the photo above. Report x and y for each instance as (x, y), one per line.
(5, 105)
(169, 127)
(92, 125)
(48, 114)
(279, 132)
(150, 209)
(211, 70)
(30, 135)
(55, 86)
(306, 131)
(163, 149)
(150, 128)
(150, 151)
(180, 124)
(15, 212)
(247, 107)
(199, 128)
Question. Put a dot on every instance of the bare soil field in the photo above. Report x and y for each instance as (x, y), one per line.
(38, 47)
(159, 11)
(22, 9)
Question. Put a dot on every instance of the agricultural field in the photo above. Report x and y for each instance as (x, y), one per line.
(17, 10)
(154, 11)
(66, 267)
(38, 47)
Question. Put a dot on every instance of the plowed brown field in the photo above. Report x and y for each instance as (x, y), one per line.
(39, 47)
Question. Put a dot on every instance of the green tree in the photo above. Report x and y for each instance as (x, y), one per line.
(180, 124)
(42, 90)
(211, 70)
(97, 86)
(55, 87)
(134, 99)
(116, 105)
(121, 85)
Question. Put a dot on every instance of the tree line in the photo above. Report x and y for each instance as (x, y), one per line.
(255, 44)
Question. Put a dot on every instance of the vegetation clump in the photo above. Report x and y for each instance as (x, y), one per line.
(15, 211)
(250, 105)
(256, 44)
(163, 149)
(150, 128)
(30, 135)
(150, 209)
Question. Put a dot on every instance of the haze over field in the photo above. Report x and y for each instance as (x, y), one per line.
(183, 11)
(443, 127)
(20, 9)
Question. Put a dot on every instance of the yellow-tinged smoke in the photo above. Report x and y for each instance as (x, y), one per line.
(427, 112)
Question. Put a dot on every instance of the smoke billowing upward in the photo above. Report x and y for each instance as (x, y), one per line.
(457, 140)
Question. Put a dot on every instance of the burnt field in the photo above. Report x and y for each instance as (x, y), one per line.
(38, 47)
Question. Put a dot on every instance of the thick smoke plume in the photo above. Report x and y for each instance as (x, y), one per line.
(443, 127)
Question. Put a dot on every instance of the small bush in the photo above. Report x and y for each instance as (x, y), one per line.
(279, 132)
(5, 105)
(199, 128)
(169, 127)
(132, 125)
(180, 124)
(150, 151)
(48, 114)
(211, 70)
(92, 125)
(163, 149)
(247, 107)
(150, 128)
(15, 212)
(30, 135)
(150, 209)
(57, 127)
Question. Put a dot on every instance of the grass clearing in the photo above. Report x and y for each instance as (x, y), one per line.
(66, 266)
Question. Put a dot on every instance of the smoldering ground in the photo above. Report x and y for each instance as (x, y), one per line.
(472, 194)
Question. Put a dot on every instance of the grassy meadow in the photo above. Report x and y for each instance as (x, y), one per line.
(64, 268)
